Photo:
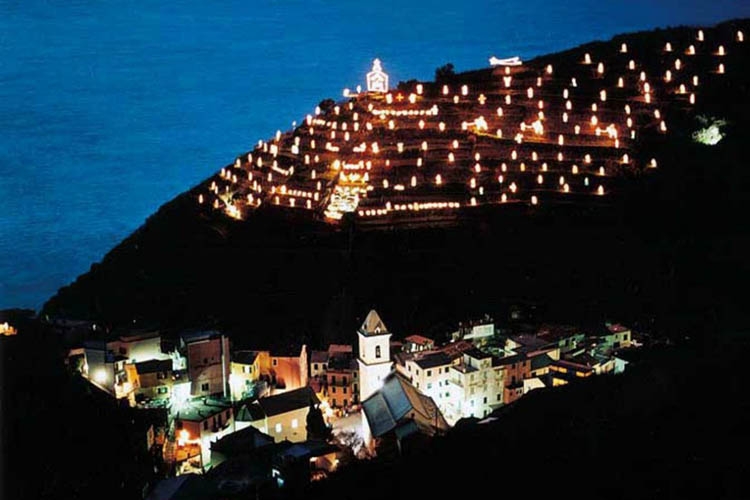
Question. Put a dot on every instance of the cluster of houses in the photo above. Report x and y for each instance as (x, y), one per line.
(224, 406)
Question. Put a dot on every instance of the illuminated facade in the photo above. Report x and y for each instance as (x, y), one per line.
(374, 354)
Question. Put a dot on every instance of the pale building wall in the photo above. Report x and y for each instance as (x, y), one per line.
(291, 425)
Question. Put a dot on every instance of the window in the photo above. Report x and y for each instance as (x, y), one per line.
(315, 366)
(377, 351)
(204, 387)
(278, 428)
(498, 397)
(344, 389)
(162, 390)
(344, 381)
(472, 402)
(205, 425)
(275, 362)
(355, 388)
(409, 367)
(447, 394)
(333, 402)
(429, 373)
(417, 385)
(429, 386)
(205, 361)
(346, 403)
(295, 423)
(333, 389)
(333, 379)
(485, 400)
(246, 369)
(446, 369)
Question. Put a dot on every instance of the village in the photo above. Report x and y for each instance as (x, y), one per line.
(282, 419)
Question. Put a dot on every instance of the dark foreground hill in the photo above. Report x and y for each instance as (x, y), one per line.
(669, 251)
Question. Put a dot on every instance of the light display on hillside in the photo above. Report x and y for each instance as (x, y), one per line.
(515, 133)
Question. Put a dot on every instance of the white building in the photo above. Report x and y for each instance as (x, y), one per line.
(374, 354)
(430, 374)
(475, 387)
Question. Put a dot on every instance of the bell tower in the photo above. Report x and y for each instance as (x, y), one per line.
(374, 354)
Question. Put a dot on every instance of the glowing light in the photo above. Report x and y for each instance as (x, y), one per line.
(691, 50)
(668, 47)
(586, 58)
(624, 48)
(377, 79)
(100, 376)
(721, 68)
(600, 68)
(600, 190)
(700, 35)
(534, 200)
(721, 51)
(740, 36)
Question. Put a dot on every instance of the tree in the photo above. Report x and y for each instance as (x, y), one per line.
(326, 104)
(316, 426)
(445, 71)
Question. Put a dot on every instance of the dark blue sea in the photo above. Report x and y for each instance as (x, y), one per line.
(108, 109)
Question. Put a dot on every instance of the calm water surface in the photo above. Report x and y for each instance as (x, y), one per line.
(110, 108)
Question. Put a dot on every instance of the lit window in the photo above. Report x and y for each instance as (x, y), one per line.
(295, 423)
(278, 428)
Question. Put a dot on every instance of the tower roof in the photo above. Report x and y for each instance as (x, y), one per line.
(373, 325)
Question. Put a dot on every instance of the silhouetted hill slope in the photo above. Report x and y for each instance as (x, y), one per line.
(668, 251)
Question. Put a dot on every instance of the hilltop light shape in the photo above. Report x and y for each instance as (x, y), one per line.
(377, 79)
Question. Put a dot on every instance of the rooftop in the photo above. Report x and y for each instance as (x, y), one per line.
(199, 410)
(244, 357)
(373, 325)
(433, 359)
(419, 340)
(287, 401)
(154, 366)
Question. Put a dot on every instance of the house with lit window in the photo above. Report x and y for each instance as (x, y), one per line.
(110, 371)
(282, 416)
(255, 372)
(567, 338)
(157, 379)
(208, 362)
(342, 381)
(613, 337)
(429, 372)
(203, 421)
(245, 380)
(475, 386)
(515, 368)
(417, 343)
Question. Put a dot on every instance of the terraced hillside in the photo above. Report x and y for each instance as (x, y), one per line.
(571, 183)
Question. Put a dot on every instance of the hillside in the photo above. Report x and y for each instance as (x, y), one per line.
(484, 204)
